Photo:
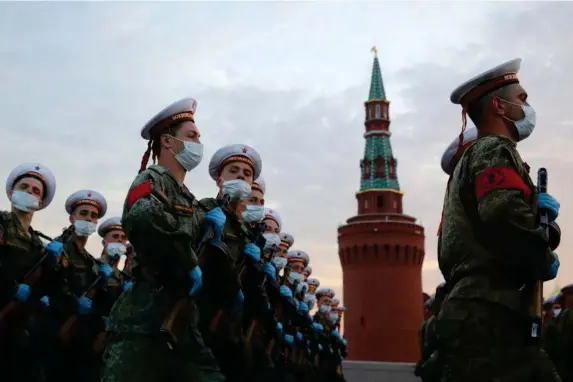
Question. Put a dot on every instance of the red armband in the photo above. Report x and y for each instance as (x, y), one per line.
(140, 191)
(500, 178)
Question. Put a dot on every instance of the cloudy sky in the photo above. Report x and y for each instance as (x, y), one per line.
(79, 80)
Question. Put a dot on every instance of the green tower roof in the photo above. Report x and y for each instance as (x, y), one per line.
(379, 167)
(376, 84)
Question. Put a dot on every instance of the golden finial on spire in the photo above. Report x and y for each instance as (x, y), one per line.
(374, 51)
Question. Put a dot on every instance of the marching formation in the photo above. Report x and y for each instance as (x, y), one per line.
(211, 289)
(496, 246)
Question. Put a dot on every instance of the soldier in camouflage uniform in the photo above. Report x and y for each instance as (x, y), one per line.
(114, 242)
(234, 168)
(491, 248)
(428, 367)
(280, 258)
(30, 188)
(153, 324)
(551, 337)
(76, 324)
(559, 335)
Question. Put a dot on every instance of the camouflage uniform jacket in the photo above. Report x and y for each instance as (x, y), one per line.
(491, 247)
(161, 220)
(19, 252)
(221, 280)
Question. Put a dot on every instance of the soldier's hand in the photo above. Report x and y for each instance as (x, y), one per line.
(303, 307)
(550, 204)
(317, 327)
(196, 277)
(252, 252)
(45, 302)
(299, 337)
(84, 306)
(553, 268)
(55, 248)
(279, 329)
(289, 339)
(216, 217)
(105, 270)
(22, 294)
(126, 285)
(270, 271)
(285, 291)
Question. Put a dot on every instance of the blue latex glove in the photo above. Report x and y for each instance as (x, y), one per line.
(285, 291)
(303, 307)
(105, 270)
(22, 293)
(317, 327)
(335, 334)
(344, 341)
(320, 348)
(126, 285)
(299, 337)
(279, 329)
(196, 277)
(84, 305)
(550, 204)
(289, 339)
(45, 302)
(270, 270)
(55, 248)
(553, 268)
(216, 217)
(296, 303)
(105, 322)
(252, 252)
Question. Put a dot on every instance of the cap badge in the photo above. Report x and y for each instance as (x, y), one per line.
(244, 150)
(37, 168)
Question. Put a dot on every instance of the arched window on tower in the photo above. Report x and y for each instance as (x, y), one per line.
(379, 164)
(380, 201)
(366, 169)
(392, 168)
(378, 111)
(385, 112)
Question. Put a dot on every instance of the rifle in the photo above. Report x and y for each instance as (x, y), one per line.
(175, 321)
(36, 272)
(537, 303)
(70, 327)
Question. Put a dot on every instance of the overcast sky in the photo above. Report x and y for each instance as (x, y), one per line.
(79, 80)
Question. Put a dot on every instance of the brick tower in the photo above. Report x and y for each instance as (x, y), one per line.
(381, 250)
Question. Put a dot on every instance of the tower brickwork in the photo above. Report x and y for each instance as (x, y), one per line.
(381, 250)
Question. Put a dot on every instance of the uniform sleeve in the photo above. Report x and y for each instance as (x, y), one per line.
(504, 206)
(152, 229)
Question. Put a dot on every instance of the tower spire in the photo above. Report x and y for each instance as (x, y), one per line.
(379, 167)
(376, 85)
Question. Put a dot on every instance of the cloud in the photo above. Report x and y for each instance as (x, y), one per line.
(79, 80)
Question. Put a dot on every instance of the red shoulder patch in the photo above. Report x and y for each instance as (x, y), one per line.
(498, 178)
(140, 191)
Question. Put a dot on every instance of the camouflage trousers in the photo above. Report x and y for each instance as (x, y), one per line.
(141, 358)
(484, 342)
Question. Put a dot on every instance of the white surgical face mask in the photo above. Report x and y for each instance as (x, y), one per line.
(323, 308)
(556, 312)
(253, 214)
(237, 189)
(279, 262)
(333, 317)
(116, 249)
(191, 154)
(310, 300)
(294, 277)
(24, 201)
(84, 227)
(302, 287)
(525, 125)
(272, 240)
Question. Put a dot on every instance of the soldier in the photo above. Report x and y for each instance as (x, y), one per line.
(310, 297)
(551, 337)
(78, 323)
(114, 242)
(559, 335)
(491, 248)
(255, 204)
(153, 330)
(30, 187)
(307, 272)
(233, 168)
(428, 367)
